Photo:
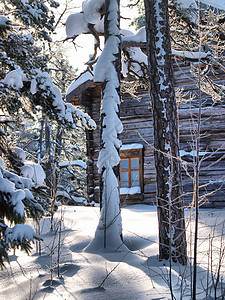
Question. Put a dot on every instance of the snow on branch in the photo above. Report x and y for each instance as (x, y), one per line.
(49, 97)
(93, 10)
(20, 235)
(138, 40)
(15, 79)
(15, 190)
(130, 39)
(15, 194)
(79, 163)
(66, 113)
(92, 13)
(5, 26)
(20, 232)
(133, 59)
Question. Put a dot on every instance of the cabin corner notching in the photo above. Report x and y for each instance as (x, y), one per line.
(137, 168)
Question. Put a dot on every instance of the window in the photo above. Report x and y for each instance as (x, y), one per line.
(130, 172)
(131, 166)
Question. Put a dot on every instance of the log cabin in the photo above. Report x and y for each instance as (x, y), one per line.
(137, 169)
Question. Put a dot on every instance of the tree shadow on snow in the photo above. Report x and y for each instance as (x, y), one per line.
(93, 290)
(50, 285)
(158, 272)
(79, 247)
(134, 243)
(69, 269)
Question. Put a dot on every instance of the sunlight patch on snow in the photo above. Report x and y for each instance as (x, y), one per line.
(136, 272)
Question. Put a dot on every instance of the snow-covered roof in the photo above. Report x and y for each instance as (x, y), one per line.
(80, 80)
(131, 146)
(77, 24)
(220, 4)
(79, 85)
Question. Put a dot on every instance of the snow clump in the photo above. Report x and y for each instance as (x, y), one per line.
(15, 79)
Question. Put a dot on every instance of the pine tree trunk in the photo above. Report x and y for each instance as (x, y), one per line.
(58, 150)
(108, 71)
(48, 164)
(117, 65)
(170, 205)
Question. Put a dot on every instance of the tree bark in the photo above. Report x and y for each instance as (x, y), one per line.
(58, 150)
(170, 204)
(117, 66)
(48, 164)
(108, 71)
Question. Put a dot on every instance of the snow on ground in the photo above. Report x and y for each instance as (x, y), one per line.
(134, 273)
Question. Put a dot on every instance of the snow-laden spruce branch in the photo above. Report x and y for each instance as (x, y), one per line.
(15, 192)
(48, 96)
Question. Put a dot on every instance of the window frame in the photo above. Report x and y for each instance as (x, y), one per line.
(129, 154)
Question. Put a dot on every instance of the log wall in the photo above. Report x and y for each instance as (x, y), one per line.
(136, 117)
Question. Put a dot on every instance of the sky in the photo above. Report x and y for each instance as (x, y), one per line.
(84, 43)
(79, 56)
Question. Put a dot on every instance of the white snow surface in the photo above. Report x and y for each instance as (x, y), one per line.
(4, 21)
(78, 162)
(76, 25)
(1, 162)
(130, 191)
(91, 10)
(81, 79)
(220, 4)
(35, 173)
(136, 272)
(20, 153)
(15, 79)
(131, 146)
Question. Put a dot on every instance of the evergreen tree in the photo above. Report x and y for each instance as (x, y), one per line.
(25, 84)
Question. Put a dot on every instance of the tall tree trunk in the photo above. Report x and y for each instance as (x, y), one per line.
(48, 164)
(58, 150)
(107, 71)
(170, 205)
(40, 142)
